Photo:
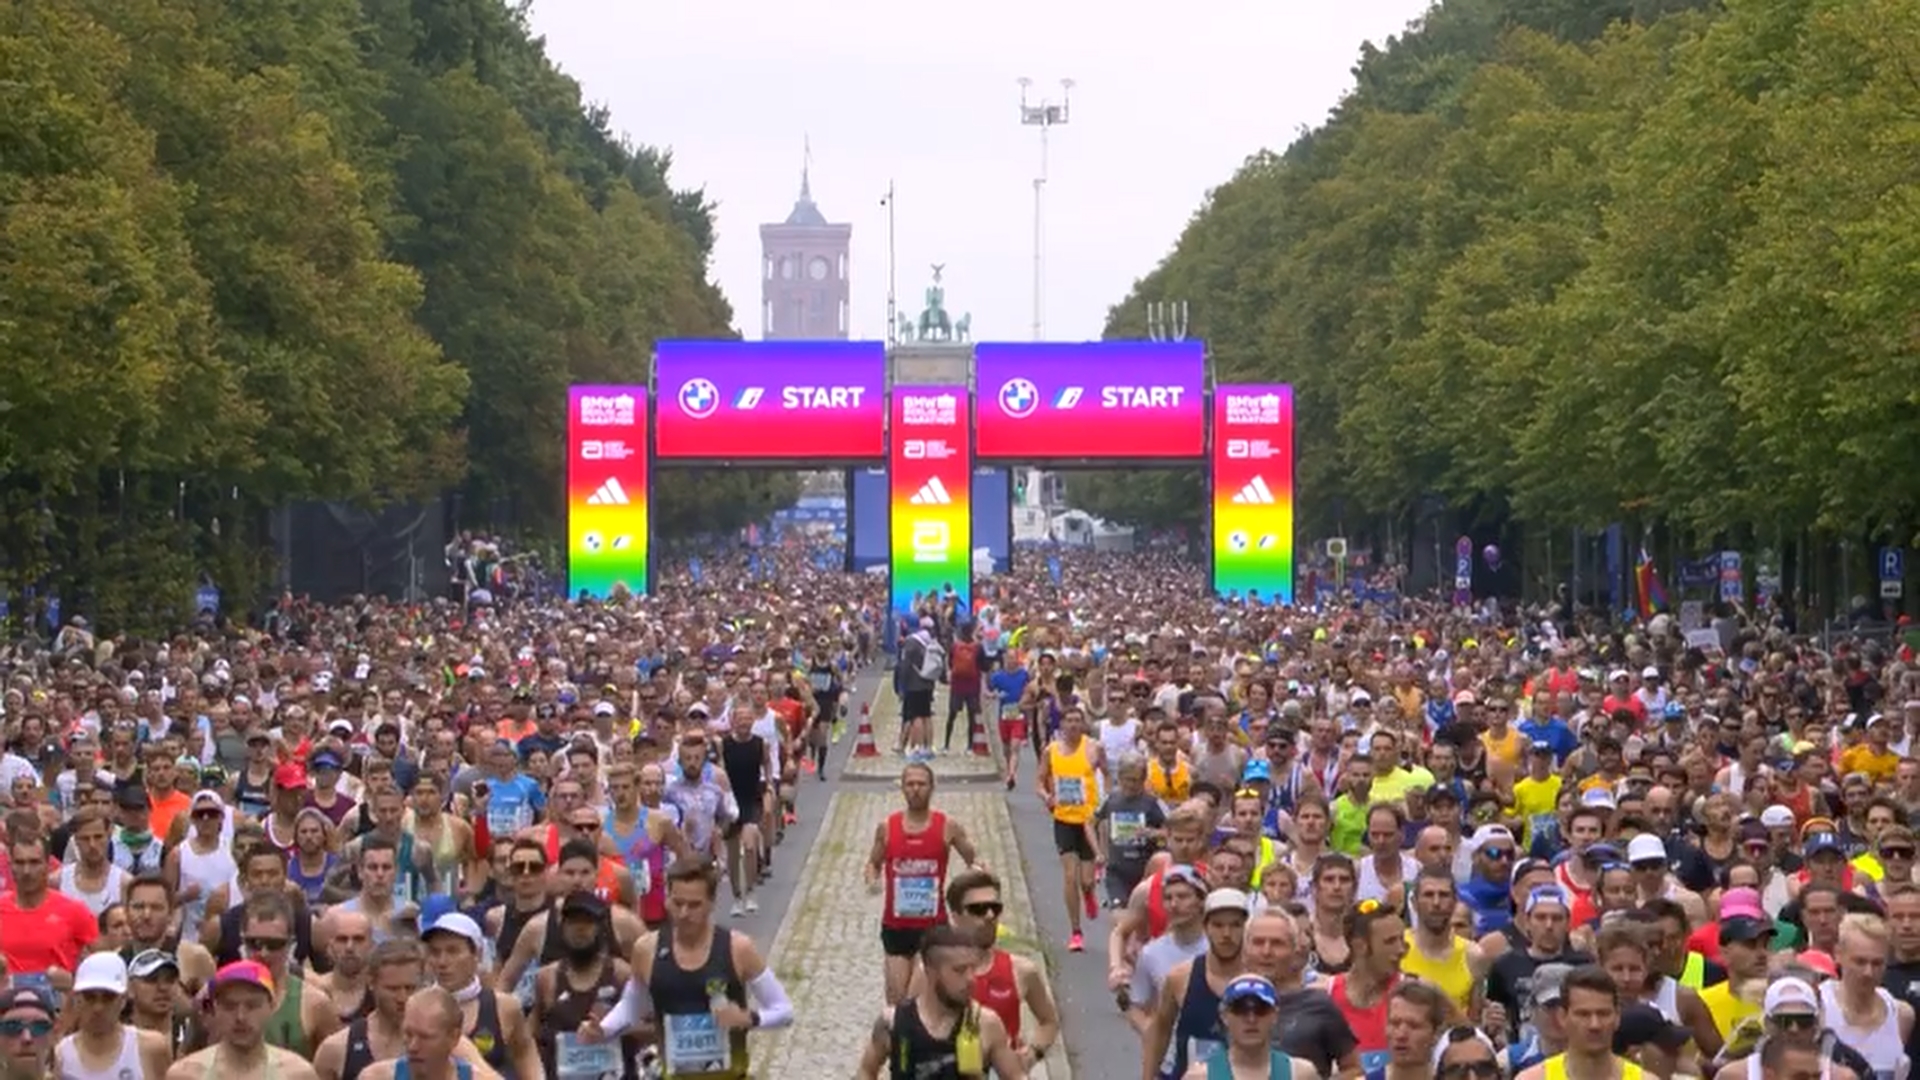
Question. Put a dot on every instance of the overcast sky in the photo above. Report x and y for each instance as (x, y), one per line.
(1169, 100)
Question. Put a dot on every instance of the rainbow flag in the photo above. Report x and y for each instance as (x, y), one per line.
(1653, 595)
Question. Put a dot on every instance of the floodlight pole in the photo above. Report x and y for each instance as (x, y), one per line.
(1045, 115)
(893, 307)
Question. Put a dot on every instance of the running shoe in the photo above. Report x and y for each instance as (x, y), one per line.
(753, 904)
(1076, 943)
(739, 908)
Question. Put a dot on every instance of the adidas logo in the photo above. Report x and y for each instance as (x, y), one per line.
(1256, 493)
(931, 493)
(608, 494)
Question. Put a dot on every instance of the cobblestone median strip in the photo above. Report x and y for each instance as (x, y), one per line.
(827, 952)
(886, 735)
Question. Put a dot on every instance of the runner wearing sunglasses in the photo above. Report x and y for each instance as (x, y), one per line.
(1464, 1053)
(1249, 1008)
(26, 1031)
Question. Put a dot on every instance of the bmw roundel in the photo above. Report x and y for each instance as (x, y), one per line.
(1018, 398)
(699, 398)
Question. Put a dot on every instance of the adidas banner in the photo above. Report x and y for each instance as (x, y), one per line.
(1253, 492)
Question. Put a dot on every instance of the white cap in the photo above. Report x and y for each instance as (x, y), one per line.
(1227, 900)
(1646, 847)
(1790, 995)
(1617, 675)
(1650, 672)
(1359, 696)
(1777, 817)
(455, 923)
(1488, 834)
(340, 723)
(101, 971)
(1598, 798)
(208, 797)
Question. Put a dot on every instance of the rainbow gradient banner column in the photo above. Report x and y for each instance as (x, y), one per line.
(1253, 492)
(606, 490)
(930, 466)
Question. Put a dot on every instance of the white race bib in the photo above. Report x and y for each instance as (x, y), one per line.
(1127, 826)
(916, 897)
(575, 1060)
(695, 1044)
(1069, 791)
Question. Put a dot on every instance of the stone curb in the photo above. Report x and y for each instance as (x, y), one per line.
(827, 950)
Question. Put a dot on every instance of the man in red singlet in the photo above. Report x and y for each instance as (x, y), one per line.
(909, 859)
(1378, 937)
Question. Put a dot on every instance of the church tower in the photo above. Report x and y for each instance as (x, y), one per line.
(804, 272)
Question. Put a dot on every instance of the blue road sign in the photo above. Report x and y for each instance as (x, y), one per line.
(1893, 564)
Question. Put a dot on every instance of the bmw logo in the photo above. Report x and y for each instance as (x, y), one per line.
(699, 398)
(1018, 398)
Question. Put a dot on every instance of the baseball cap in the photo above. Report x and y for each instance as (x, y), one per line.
(1819, 842)
(1602, 854)
(242, 973)
(101, 971)
(289, 775)
(1547, 894)
(1542, 746)
(1646, 848)
(1527, 866)
(1257, 771)
(1789, 995)
(582, 905)
(325, 759)
(340, 725)
(210, 799)
(27, 997)
(1249, 988)
(1644, 1024)
(1187, 874)
(1487, 835)
(1744, 928)
(1550, 984)
(1819, 960)
(1598, 798)
(1227, 900)
(1776, 817)
(459, 925)
(1740, 903)
(150, 963)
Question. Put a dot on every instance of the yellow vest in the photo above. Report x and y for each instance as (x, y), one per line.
(1555, 1068)
(1269, 851)
(1727, 1011)
(1450, 973)
(1174, 787)
(1073, 784)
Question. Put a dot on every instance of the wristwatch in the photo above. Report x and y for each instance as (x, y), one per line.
(753, 1019)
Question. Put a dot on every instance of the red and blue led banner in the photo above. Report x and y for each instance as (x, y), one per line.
(1253, 492)
(606, 489)
(1101, 400)
(770, 400)
(930, 494)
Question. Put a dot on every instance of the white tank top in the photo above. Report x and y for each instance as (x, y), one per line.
(1755, 1072)
(1880, 1045)
(1115, 740)
(1666, 998)
(1367, 884)
(209, 871)
(67, 1066)
(96, 902)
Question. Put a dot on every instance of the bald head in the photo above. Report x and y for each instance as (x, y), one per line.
(436, 1009)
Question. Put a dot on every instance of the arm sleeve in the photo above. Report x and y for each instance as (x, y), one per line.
(770, 1000)
(635, 1004)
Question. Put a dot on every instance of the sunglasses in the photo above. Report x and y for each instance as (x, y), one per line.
(1896, 852)
(586, 826)
(1251, 1007)
(985, 909)
(1497, 854)
(526, 868)
(1463, 1070)
(1650, 864)
(1757, 849)
(1795, 1021)
(207, 815)
(31, 1029)
(264, 944)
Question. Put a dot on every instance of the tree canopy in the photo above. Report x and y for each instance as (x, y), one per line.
(1568, 263)
(261, 252)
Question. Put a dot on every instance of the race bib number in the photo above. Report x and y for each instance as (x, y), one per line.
(916, 897)
(1070, 791)
(1128, 826)
(503, 820)
(523, 990)
(822, 682)
(575, 1060)
(695, 1044)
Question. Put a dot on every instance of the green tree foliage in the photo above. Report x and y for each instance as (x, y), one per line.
(259, 252)
(1571, 263)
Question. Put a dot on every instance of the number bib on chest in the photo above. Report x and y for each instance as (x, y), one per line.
(575, 1060)
(1070, 791)
(695, 1044)
(916, 897)
(1128, 826)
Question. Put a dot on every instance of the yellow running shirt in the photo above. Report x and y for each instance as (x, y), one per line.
(1073, 783)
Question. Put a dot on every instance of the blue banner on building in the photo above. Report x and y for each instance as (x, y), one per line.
(993, 516)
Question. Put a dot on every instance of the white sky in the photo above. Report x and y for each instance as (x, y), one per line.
(1169, 100)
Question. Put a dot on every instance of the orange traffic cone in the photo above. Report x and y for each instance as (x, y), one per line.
(863, 744)
(980, 747)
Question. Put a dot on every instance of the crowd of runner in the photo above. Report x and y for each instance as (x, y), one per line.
(496, 836)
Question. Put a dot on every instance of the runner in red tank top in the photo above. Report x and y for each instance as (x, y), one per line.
(1378, 938)
(909, 863)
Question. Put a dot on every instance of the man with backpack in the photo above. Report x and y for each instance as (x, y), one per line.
(963, 686)
(923, 665)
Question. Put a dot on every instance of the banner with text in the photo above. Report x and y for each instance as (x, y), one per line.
(1253, 492)
(931, 466)
(1102, 400)
(770, 400)
(606, 489)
